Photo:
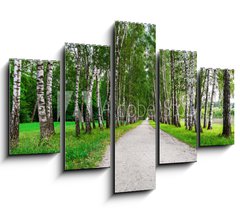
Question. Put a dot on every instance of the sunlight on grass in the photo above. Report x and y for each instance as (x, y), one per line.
(29, 134)
(214, 137)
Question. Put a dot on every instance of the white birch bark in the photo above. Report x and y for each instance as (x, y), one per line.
(211, 102)
(100, 122)
(15, 113)
(43, 121)
(76, 107)
(49, 110)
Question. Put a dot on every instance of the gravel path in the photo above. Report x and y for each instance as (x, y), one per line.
(174, 151)
(135, 160)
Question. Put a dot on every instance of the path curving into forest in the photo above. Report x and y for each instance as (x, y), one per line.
(174, 151)
(135, 159)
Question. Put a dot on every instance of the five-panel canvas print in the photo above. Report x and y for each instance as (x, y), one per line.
(196, 108)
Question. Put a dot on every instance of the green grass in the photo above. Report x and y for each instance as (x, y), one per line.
(87, 150)
(29, 136)
(152, 123)
(207, 138)
(186, 136)
(214, 138)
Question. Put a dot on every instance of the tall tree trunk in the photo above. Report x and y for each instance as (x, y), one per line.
(211, 102)
(206, 99)
(100, 123)
(176, 121)
(90, 80)
(34, 111)
(164, 108)
(76, 107)
(49, 97)
(172, 86)
(202, 87)
(15, 114)
(187, 89)
(191, 93)
(43, 121)
(82, 111)
(226, 104)
(108, 101)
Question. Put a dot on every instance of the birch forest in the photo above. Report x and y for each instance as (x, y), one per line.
(33, 114)
(217, 106)
(87, 105)
(178, 95)
(135, 61)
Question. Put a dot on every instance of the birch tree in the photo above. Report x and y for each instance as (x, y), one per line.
(206, 98)
(108, 100)
(15, 113)
(100, 118)
(121, 31)
(76, 106)
(211, 100)
(43, 121)
(49, 97)
(90, 82)
(186, 64)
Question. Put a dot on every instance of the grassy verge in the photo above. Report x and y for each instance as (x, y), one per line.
(87, 150)
(186, 136)
(29, 135)
(152, 123)
(214, 138)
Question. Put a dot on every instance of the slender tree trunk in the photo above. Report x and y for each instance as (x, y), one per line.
(174, 94)
(164, 93)
(82, 111)
(172, 86)
(206, 99)
(15, 114)
(43, 121)
(34, 111)
(89, 103)
(187, 89)
(76, 107)
(49, 97)
(191, 93)
(211, 102)
(202, 87)
(100, 123)
(226, 104)
(108, 101)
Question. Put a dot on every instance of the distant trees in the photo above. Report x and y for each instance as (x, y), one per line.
(217, 88)
(88, 69)
(31, 83)
(134, 72)
(178, 78)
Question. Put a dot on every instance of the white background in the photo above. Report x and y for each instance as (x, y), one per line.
(35, 185)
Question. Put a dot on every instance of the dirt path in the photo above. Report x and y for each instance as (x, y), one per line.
(135, 159)
(174, 151)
